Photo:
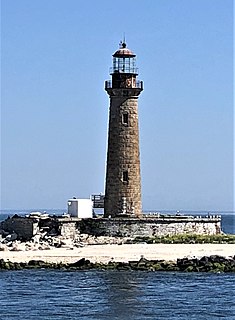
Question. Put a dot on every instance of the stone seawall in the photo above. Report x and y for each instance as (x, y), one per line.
(147, 227)
(152, 226)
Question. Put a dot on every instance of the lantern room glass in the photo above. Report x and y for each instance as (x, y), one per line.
(124, 65)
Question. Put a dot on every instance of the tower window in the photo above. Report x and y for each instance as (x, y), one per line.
(125, 176)
(125, 118)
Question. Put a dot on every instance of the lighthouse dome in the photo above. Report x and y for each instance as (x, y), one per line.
(124, 52)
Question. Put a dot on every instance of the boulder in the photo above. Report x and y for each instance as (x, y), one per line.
(36, 263)
(80, 264)
(123, 266)
(3, 247)
(11, 237)
(218, 259)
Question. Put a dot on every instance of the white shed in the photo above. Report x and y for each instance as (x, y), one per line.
(80, 208)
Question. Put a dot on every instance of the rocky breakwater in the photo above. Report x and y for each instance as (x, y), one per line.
(216, 264)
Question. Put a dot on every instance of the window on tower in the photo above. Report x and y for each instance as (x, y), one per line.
(125, 118)
(125, 176)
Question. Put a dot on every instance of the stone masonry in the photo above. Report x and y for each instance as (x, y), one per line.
(147, 226)
(150, 227)
(123, 181)
(123, 156)
(25, 228)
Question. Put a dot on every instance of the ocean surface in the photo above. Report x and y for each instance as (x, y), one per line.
(124, 295)
(228, 218)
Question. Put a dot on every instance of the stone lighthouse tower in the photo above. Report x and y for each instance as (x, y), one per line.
(123, 183)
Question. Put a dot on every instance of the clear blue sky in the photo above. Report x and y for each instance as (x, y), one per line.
(55, 58)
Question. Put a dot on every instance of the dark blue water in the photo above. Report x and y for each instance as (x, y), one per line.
(228, 219)
(88, 295)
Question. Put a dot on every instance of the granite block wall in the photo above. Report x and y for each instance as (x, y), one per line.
(25, 228)
(123, 184)
(150, 227)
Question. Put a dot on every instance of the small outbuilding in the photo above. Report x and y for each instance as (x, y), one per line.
(80, 208)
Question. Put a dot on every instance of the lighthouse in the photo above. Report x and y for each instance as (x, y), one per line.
(123, 180)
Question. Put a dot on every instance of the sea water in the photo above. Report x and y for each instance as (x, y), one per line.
(124, 295)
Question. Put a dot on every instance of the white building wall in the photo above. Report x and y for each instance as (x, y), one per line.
(80, 208)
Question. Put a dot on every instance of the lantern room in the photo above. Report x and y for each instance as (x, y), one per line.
(124, 71)
(124, 61)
